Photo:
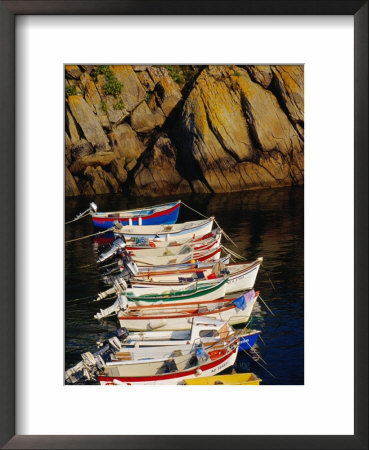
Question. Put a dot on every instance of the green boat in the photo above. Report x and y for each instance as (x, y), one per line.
(203, 292)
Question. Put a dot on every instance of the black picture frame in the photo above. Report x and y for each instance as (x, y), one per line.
(8, 12)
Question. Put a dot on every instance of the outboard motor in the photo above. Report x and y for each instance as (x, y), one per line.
(123, 302)
(110, 280)
(133, 269)
(93, 207)
(116, 245)
(117, 225)
(129, 264)
(114, 344)
(122, 333)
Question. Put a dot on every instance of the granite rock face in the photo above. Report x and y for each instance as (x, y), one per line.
(157, 130)
(157, 172)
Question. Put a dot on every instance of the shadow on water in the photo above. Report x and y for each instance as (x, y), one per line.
(268, 223)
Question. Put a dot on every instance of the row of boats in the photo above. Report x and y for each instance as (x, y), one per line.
(177, 302)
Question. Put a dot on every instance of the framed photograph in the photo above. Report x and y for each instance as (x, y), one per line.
(255, 119)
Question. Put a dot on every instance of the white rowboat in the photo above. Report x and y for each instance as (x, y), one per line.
(173, 370)
(182, 231)
(180, 317)
(242, 276)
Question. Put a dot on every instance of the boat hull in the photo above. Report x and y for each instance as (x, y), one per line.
(178, 232)
(241, 279)
(164, 322)
(208, 369)
(158, 216)
(197, 296)
(203, 255)
(248, 341)
(163, 248)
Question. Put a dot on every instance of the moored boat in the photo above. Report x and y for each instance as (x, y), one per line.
(118, 248)
(152, 215)
(187, 255)
(171, 250)
(204, 362)
(142, 242)
(185, 230)
(180, 317)
(145, 243)
(181, 267)
(205, 332)
(195, 295)
(198, 293)
(241, 276)
(128, 269)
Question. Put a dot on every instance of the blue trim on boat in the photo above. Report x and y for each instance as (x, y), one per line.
(247, 342)
(159, 218)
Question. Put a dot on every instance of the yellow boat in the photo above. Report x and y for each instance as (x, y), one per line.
(235, 379)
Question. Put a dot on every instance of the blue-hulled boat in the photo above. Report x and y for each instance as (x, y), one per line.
(248, 341)
(152, 215)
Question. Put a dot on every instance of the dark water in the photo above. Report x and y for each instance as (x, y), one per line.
(268, 223)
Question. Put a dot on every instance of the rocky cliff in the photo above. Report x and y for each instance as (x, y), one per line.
(156, 130)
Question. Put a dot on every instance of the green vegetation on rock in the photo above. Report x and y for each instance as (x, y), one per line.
(104, 106)
(119, 105)
(112, 86)
(176, 74)
(71, 90)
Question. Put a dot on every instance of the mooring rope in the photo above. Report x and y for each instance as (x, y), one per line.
(110, 264)
(250, 348)
(236, 255)
(71, 300)
(217, 224)
(257, 362)
(90, 235)
(267, 306)
(109, 297)
(88, 266)
(225, 234)
(194, 210)
(267, 272)
(79, 216)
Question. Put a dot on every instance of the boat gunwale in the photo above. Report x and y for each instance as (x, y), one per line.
(185, 314)
(252, 266)
(207, 254)
(200, 224)
(206, 302)
(172, 205)
(207, 244)
(162, 376)
(192, 292)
